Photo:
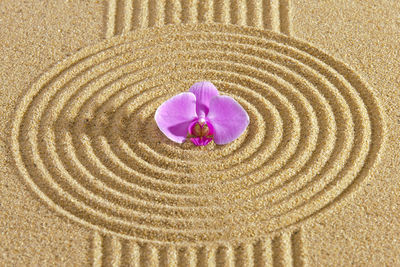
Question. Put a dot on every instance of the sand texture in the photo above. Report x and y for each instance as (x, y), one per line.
(88, 179)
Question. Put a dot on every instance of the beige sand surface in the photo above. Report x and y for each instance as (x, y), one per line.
(88, 179)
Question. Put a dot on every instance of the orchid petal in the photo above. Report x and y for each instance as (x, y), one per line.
(228, 118)
(204, 92)
(174, 116)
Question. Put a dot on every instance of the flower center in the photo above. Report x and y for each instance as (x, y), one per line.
(200, 129)
(200, 132)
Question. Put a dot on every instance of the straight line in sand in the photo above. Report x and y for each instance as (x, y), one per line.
(125, 15)
(286, 249)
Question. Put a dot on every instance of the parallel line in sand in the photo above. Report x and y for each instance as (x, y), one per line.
(96, 249)
(276, 251)
(126, 15)
(281, 250)
(299, 252)
(255, 13)
(239, 12)
(110, 16)
(141, 15)
(123, 16)
(285, 16)
(222, 12)
(173, 10)
(111, 251)
(206, 11)
(157, 13)
(189, 11)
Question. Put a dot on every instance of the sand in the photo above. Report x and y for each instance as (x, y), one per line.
(89, 180)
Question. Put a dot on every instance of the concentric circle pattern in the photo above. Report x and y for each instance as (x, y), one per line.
(85, 139)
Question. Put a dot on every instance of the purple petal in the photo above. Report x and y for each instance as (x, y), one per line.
(174, 116)
(228, 118)
(204, 92)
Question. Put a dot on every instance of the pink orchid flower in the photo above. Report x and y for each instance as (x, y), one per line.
(202, 115)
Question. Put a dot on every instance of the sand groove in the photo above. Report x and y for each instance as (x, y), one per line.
(126, 15)
(275, 251)
(85, 140)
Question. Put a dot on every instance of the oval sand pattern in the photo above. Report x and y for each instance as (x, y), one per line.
(85, 139)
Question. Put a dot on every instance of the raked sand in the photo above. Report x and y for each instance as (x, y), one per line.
(89, 180)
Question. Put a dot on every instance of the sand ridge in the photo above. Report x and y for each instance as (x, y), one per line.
(123, 16)
(282, 250)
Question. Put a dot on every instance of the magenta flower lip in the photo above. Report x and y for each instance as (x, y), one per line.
(202, 115)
